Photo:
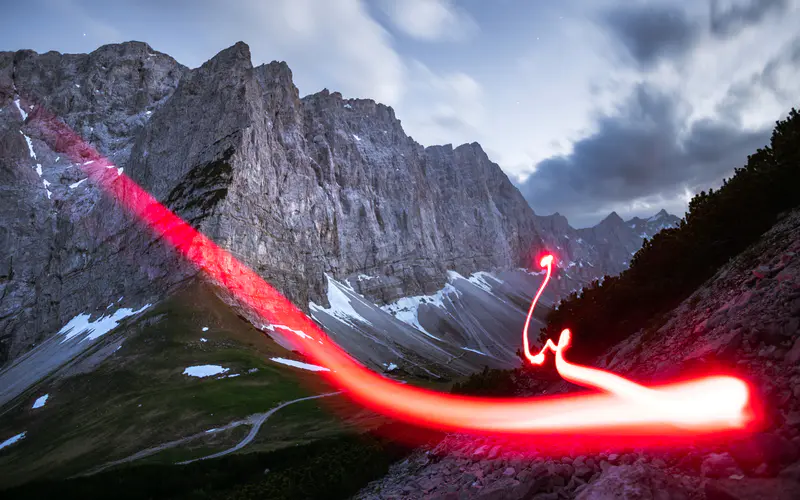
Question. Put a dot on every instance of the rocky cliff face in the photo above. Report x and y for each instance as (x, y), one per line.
(605, 249)
(301, 187)
(617, 240)
(65, 249)
(295, 188)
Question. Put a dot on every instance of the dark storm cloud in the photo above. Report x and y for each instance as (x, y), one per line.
(650, 33)
(729, 21)
(640, 151)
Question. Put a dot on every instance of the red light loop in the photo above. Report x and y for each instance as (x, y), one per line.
(703, 405)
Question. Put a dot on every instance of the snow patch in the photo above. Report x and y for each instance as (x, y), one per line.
(97, 328)
(76, 184)
(12, 440)
(39, 169)
(356, 137)
(46, 184)
(300, 364)
(475, 351)
(392, 367)
(341, 304)
(479, 279)
(201, 371)
(532, 273)
(30, 145)
(40, 401)
(203, 340)
(347, 106)
(299, 333)
(205, 328)
(21, 111)
(406, 309)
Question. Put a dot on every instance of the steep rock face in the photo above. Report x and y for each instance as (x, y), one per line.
(614, 241)
(65, 249)
(295, 188)
(298, 188)
(578, 258)
(106, 96)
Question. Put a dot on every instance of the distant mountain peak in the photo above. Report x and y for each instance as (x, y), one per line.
(612, 218)
(660, 215)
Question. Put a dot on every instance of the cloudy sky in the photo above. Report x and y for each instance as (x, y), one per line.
(589, 106)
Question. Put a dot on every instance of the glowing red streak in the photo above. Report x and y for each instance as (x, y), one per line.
(704, 405)
(678, 411)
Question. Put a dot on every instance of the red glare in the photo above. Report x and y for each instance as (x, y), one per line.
(623, 408)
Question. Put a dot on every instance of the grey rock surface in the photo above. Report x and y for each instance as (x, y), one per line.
(64, 248)
(296, 188)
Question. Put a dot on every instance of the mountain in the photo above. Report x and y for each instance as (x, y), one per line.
(408, 256)
(298, 189)
(419, 261)
(617, 240)
(604, 249)
(647, 228)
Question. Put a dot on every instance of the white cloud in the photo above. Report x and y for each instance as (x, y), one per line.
(327, 43)
(431, 19)
(673, 202)
(446, 108)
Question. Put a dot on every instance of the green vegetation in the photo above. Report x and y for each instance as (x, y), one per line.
(331, 468)
(307, 421)
(718, 226)
(490, 382)
(138, 397)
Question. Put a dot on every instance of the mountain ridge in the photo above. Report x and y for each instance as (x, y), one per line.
(295, 187)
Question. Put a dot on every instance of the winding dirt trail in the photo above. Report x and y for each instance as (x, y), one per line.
(255, 422)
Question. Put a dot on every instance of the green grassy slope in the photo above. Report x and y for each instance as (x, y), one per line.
(139, 398)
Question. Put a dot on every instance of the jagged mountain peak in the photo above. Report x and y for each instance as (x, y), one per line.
(354, 109)
(612, 219)
(131, 47)
(235, 56)
(278, 71)
(296, 188)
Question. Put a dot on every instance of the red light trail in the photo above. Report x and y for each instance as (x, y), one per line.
(705, 405)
